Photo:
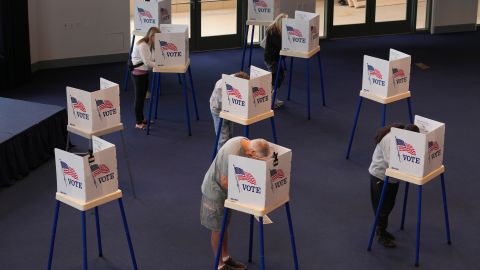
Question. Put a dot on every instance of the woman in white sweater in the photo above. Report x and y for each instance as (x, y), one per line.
(143, 61)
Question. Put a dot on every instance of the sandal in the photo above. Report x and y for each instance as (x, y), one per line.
(140, 126)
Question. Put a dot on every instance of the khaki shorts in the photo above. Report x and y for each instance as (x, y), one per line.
(211, 214)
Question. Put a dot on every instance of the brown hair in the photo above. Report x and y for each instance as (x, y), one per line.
(151, 32)
(382, 132)
(242, 75)
(412, 127)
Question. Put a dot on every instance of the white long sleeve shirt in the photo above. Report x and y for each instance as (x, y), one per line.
(141, 53)
(381, 159)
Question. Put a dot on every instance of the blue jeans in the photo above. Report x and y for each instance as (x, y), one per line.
(226, 130)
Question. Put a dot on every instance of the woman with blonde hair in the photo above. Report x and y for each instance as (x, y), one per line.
(142, 62)
(273, 46)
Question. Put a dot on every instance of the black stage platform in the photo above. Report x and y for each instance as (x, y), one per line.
(28, 134)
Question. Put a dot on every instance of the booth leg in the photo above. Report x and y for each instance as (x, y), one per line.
(274, 130)
(193, 92)
(185, 97)
(419, 220)
(262, 248)
(220, 241)
(352, 133)
(250, 240)
(84, 240)
(127, 233)
(246, 131)
(158, 90)
(67, 146)
(150, 106)
(127, 161)
(284, 65)
(125, 79)
(292, 235)
(99, 236)
(54, 232)
(290, 71)
(217, 138)
(251, 47)
(307, 65)
(410, 114)
(275, 90)
(244, 46)
(321, 77)
(377, 214)
(384, 114)
(404, 210)
(445, 209)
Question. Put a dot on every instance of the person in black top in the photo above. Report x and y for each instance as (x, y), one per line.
(273, 46)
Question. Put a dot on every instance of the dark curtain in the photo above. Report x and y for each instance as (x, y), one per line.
(14, 43)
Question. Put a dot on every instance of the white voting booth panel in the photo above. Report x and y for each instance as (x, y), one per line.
(387, 78)
(301, 33)
(171, 45)
(93, 111)
(263, 10)
(85, 181)
(247, 98)
(260, 184)
(151, 13)
(418, 154)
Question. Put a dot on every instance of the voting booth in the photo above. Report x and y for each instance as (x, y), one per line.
(261, 184)
(86, 178)
(301, 33)
(151, 13)
(171, 45)
(387, 78)
(263, 10)
(418, 154)
(247, 98)
(94, 111)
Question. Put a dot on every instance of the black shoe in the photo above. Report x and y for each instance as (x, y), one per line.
(385, 233)
(386, 242)
(343, 3)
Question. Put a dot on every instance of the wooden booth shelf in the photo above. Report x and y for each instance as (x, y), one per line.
(259, 212)
(384, 100)
(172, 69)
(243, 121)
(300, 54)
(260, 23)
(87, 134)
(84, 206)
(413, 179)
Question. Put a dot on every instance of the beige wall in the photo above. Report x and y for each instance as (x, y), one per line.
(62, 29)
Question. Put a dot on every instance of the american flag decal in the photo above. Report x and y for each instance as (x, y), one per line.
(258, 91)
(260, 3)
(168, 46)
(405, 147)
(67, 170)
(398, 73)
(104, 104)
(99, 169)
(294, 32)
(232, 91)
(433, 146)
(144, 13)
(78, 104)
(244, 176)
(374, 72)
(276, 174)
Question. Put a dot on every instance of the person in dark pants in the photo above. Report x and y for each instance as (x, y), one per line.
(380, 162)
(143, 61)
(271, 56)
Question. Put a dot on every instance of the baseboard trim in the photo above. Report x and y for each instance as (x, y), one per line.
(79, 61)
(453, 28)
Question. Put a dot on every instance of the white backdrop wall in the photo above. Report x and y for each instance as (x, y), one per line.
(454, 15)
(66, 29)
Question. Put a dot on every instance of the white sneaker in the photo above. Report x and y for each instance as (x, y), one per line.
(278, 103)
